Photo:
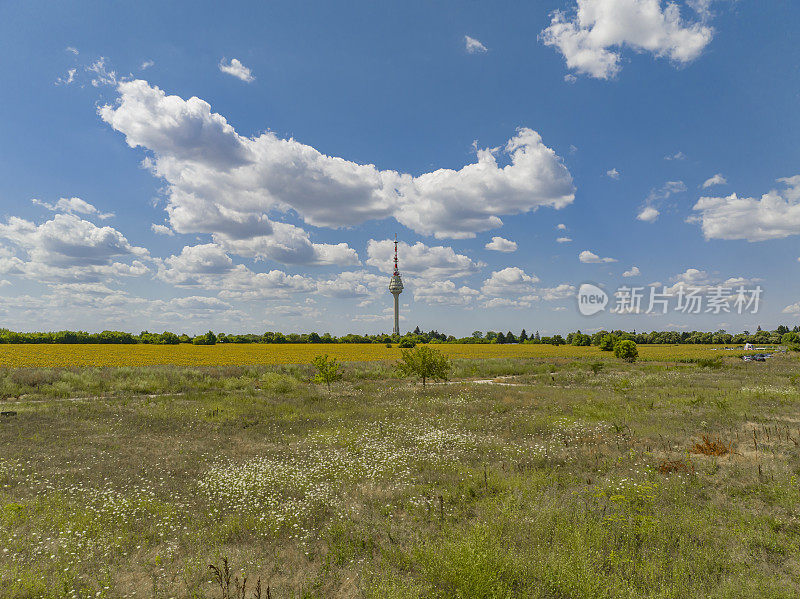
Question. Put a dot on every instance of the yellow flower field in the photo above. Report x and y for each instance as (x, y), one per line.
(56, 355)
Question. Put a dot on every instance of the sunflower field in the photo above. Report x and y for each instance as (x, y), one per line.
(227, 354)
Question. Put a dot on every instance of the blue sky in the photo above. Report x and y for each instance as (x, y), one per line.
(192, 166)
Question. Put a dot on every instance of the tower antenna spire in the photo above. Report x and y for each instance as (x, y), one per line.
(396, 271)
(396, 288)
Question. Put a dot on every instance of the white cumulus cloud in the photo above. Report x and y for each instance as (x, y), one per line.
(633, 272)
(68, 78)
(286, 243)
(591, 41)
(69, 248)
(792, 309)
(162, 230)
(421, 260)
(237, 69)
(473, 46)
(221, 182)
(510, 282)
(354, 284)
(73, 206)
(717, 179)
(774, 215)
(701, 281)
(588, 257)
(559, 292)
(208, 266)
(100, 74)
(648, 214)
(444, 293)
(498, 244)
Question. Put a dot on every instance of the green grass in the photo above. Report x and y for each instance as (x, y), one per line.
(129, 482)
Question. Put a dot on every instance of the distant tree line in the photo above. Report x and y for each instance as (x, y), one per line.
(782, 334)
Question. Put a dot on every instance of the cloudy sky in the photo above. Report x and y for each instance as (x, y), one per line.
(189, 166)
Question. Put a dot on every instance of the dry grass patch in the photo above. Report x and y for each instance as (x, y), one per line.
(712, 447)
(675, 466)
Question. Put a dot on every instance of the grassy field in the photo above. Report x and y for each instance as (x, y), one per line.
(577, 476)
(44, 356)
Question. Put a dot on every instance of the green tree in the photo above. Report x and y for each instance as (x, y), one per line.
(788, 338)
(608, 342)
(327, 370)
(626, 350)
(425, 363)
(168, 338)
(207, 339)
(580, 340)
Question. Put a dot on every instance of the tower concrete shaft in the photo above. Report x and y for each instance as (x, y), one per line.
(396, 288)
(396, 329)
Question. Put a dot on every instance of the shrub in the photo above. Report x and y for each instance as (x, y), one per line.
(327, 370)
(711, 446)
(596, 367)
(608, 342)
(34, 377)
(406, 343)
(709, 362)
(626, 350)
(679, 466)
(424, 363)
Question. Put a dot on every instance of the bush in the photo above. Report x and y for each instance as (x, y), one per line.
(34, 377)
(424, 363)
(406, 343)
(327, 370)
(626, 350)
(596, 367)
(608, 342)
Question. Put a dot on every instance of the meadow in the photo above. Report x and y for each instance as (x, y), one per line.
(229, 354)
(573, 475)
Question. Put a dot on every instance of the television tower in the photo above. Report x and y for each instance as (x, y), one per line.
(396, 288)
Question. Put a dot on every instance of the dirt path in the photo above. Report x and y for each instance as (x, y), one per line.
(21, 401)
(87, 398)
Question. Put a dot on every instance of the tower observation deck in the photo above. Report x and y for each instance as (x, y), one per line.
(396, 288)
